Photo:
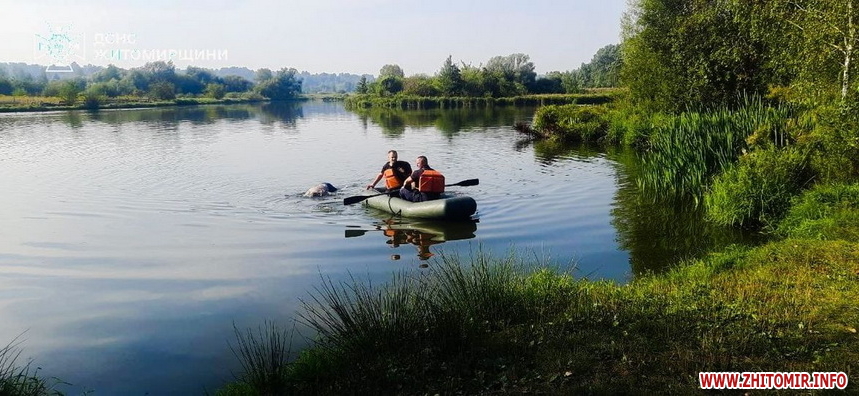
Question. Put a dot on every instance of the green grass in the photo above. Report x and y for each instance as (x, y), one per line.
(264, 355)
(484, 325)
(826, 212)
(21, 380)
(757, 191)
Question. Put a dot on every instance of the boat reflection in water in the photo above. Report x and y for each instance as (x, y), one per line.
(422, 234)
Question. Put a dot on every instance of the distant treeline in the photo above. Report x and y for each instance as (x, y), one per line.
(37, 80)
(509, 76)
(501, 77)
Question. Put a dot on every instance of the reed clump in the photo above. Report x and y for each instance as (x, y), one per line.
(682, 155)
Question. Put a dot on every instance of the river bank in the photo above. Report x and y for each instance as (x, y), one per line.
(480, 325)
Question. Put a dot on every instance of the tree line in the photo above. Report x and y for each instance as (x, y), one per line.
(162, 81)
(702, 53)
(157, 80)
(501, 76)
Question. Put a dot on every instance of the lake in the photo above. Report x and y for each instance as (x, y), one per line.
(134, 240)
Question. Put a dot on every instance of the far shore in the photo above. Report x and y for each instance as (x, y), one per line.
(47, 104)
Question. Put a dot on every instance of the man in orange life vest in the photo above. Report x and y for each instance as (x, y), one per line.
(394, 172)
(424, 184)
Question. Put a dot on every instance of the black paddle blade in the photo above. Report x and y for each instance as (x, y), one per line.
(465, 183)
(355, 199)
(359, 198)
(355, 233)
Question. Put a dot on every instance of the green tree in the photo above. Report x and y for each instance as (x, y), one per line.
(419, 85)
(389, 85)
(69, 91)
(827, 33)
(473, 81)
(6, 86)
(162, 90)
(282, 86)
(681, 53)
(362, 87)
(605, 67)
(516, 68)
(391, 70)
(214, 90)
(160, 71)
(111, 72)
(263, 75)
(236, 84)
(449, 79)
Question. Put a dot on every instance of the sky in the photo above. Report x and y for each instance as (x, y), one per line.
(330, 36)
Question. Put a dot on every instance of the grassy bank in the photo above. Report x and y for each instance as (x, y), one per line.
(434, 102)
(12, 104)
(488, 325)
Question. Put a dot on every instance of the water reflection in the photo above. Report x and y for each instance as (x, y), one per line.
(422, 234)
(73, 119)
(549, 151)
(169, 118)
(659, 234)
(448, 121)
(284, 112)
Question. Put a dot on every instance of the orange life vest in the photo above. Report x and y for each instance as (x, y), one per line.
(391, 181)
(431, 181)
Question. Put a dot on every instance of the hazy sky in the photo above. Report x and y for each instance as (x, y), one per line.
(317, 36)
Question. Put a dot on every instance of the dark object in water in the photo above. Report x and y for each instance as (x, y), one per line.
(320, 190)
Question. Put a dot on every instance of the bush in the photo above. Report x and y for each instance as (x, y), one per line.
(94, 97)
(826, 212)
(836, 137)
(572, 122)
(758, 190)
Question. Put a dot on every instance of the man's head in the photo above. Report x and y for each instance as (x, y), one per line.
(392, 156)
(422, 162)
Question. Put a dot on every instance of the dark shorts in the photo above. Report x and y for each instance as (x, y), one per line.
(415, 196)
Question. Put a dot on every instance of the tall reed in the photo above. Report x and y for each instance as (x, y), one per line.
(684, 154)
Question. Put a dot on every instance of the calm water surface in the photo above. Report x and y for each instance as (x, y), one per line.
(132, 240)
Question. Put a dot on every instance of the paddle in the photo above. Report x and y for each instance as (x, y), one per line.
(359, 198)
(355, 233)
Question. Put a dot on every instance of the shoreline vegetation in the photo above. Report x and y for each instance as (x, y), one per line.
(743, 107)
(407, 102)
(488, 325)
(44, 104)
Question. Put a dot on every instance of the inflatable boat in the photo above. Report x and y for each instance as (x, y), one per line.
(448, 207)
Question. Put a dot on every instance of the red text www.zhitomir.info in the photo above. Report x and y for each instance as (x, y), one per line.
(761, 380)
